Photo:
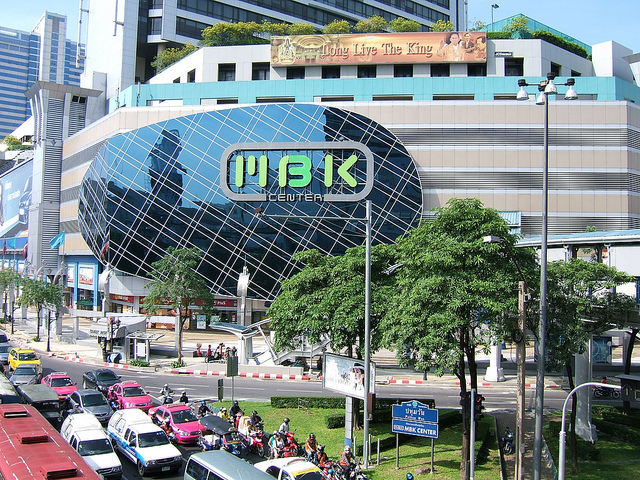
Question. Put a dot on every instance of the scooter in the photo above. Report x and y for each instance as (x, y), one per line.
(290, 448)
(256, 442)
(508, 446)
(166, 398)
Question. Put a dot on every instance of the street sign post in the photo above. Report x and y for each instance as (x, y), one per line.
(414, 418)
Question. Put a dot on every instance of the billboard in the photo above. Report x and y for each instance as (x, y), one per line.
(346, 375)
(375, 48)
(15, 200)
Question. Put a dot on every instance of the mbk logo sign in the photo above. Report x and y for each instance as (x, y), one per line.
(338, 165)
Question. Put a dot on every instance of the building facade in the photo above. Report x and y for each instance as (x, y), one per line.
(147, 175)
(26, 57)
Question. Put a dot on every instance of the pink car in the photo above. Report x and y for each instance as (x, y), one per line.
(183, 424)
(129, 395)
(61, 383)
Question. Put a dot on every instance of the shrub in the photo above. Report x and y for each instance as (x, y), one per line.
(178, 364)
(560, 42)
(137, 362)
(310, 402)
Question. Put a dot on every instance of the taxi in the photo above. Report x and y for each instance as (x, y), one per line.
(61, 383)
(129, 395)
(22, 356)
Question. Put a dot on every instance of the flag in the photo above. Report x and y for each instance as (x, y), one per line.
(57, 241)
(24, 251)
(4, 247)
(12, 243)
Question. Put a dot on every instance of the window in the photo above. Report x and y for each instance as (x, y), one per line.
(453, 97)
(391, 98)
(226, 72)
(440, 70)
(514, 67)
(295, 73)
(227, 101)
(191, 76)
(477, 70)
(367, 71)
(330, 72)
(260, 71)
(275, 99)
(176, 80)
(403, 70)
(575, 73)
(337, 98)
(555, 68)
(154, 26)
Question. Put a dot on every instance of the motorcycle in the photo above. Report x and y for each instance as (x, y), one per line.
(355, 473)
(508, 446)
(166, 399)
(601, 392)
(256, 442)
(291, 448)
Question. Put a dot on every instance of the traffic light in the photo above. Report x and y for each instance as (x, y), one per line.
(478, 407)
(465, 401)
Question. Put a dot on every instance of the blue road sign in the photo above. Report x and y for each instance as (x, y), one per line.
(416, 411)
(420, 429)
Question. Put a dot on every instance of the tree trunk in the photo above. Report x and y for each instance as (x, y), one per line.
(38, 324)
(574, 406)
(626, 405)
(179, 333)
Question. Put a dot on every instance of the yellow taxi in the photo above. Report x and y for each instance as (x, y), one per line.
(22, 356)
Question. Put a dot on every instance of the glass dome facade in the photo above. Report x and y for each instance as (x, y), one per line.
(160, 186)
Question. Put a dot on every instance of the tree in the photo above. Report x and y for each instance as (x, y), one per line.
(53, 299)
(517, 26)
(14, 143)
(8, 280)
(442, 26)
(34, 294)
(403, 25)
(171, 55)
(373, 24)
(240, 33)
(477, 25)
(453, 292)
(300, 28)
(582, 301)
(337, 26)
(176, 283)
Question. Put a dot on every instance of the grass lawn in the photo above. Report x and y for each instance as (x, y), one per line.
(415, 452)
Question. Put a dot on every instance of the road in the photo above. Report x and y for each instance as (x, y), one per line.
(447, 395)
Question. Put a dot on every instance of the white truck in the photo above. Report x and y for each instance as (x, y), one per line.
(133, 433)
(85, 434)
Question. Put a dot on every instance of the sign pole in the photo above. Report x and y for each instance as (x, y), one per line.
(433, 443)
(397, 451)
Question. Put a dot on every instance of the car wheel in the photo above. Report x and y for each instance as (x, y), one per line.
(141, 469)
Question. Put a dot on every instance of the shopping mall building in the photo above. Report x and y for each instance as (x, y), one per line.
(254, 153)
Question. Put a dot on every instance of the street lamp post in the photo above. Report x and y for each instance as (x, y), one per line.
(546, 87)
(493, 7)
(563, 433)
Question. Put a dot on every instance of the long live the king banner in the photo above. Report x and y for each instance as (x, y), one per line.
(409, 47)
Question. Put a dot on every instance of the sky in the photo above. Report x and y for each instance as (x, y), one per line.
(589, 21)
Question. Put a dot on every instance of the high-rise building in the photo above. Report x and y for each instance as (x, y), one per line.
(124, 37)
(26, 57)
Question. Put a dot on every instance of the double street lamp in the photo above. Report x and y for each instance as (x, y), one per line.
(545, 87)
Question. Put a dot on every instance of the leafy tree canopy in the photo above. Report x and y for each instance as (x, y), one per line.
(337, 26)
(517, 25)
(14, 143)
(171, 55)
(442, 26)
(327, 298)
(404, 25)
(373, 24)
(477, 25)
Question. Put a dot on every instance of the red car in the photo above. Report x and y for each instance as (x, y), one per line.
(184, 426)
(129, 395)
(61, 383)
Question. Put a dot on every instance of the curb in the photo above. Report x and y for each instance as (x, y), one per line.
(278, 376)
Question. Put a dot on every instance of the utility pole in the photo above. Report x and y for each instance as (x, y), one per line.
(521, 358)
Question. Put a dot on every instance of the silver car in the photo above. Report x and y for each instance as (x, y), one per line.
(27, 374)
(89, 401)
(4, 353)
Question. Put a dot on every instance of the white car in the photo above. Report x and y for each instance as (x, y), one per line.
(291, 468)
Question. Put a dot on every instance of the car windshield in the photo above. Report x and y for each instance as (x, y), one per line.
(152, 439)
(25, 370)
(95, 447)
(61, 382)
(136, 391)
(93, 400)
(25, 357)
(107, 376)
(184, 416)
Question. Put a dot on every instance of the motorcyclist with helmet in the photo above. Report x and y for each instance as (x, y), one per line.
(203, 409)
(255, 421)
(311, 446)
(276, 444)
(223, 414)
(321, 456)
(183, 397)
(284, 426)
(166, 394)
(347, 461)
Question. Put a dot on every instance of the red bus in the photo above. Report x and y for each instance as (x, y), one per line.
(32, 449)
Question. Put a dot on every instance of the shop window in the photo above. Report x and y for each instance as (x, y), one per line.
(514, 67)
(367, 71)
(260, 71)
(403, 70)
(226, 72)
(295, 73)
(330, 72)
(440, 70)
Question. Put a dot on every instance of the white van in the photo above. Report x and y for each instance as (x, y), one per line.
(221, 465)
(133, 433)
(85, 434)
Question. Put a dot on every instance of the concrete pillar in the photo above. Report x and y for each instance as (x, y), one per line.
(495, 373)
(584, 428)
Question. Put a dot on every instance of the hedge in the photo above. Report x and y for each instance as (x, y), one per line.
(560, 42)
(622, 432)
(339, 402)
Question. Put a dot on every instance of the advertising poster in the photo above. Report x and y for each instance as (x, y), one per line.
(346, 375)
(15, 200)
(406, 47)
(85, 276)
